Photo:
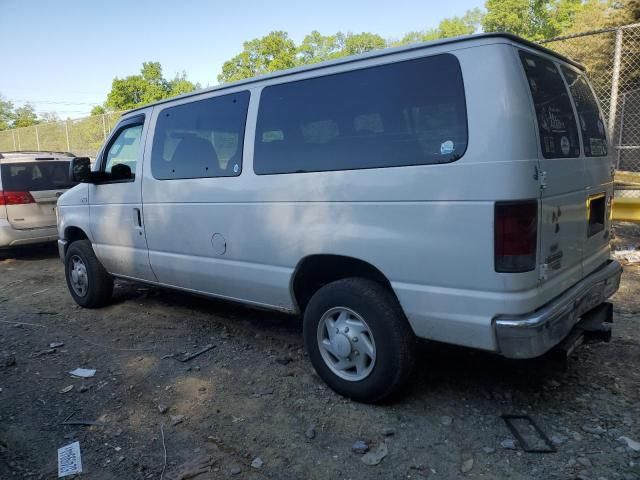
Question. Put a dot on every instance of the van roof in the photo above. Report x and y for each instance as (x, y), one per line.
(33, 156)
(367, 55)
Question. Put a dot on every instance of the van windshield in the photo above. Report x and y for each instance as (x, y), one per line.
(589, 117)
(35, 176)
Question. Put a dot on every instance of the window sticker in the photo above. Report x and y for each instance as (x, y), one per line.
(565, 146)
(446, 147)
(597, 147)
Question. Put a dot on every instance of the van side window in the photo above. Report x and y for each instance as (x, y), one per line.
(200, 139)
(591, 123)
(405, 113)
(124, 150)
(556, 122)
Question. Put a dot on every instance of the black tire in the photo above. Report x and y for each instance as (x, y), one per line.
(100, 283)
(395, 342)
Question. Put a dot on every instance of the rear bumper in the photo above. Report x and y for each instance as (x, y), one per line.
(10, 237)
(533, 334)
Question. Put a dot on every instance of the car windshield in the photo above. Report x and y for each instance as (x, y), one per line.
(35, 176)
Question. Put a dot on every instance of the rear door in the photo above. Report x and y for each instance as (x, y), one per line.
(597, 167)
(561, 173)
(31, 190)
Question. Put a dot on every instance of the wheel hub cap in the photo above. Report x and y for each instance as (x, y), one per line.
(79, 278)
(346, 344)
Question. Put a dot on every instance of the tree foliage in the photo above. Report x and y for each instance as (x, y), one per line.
(6, 113)
(149, 86)
(25, 116)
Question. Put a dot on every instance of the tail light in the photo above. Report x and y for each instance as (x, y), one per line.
(516, 236)
(15, 198)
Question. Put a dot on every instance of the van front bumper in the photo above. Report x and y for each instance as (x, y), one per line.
(11, 237)
(533, 334)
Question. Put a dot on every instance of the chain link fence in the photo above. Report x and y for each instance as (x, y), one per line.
(82, 136)
(612, 59)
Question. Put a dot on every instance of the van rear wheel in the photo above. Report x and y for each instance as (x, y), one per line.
(89, 283)
(358, 339)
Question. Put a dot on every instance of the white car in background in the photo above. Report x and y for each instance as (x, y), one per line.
(30, 185)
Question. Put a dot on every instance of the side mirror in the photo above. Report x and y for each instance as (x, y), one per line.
(80, 169)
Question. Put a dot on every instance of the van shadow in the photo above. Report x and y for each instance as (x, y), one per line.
(439, 367)
(30, 252)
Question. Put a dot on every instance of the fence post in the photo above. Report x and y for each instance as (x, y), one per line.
(37, 138)
(624, 101)
(13, 135)
(615, 80)
(19, 146)
(104, 128)
(66, 132)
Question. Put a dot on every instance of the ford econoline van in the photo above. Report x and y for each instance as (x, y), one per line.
(457, 191)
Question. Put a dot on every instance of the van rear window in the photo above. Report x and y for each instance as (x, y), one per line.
(35, 176)
(556, 121)
(590, 119)
(405, 113)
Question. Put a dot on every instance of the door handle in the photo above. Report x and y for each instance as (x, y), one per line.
(137, 218)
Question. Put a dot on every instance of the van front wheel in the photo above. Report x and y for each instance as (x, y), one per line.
(358, 339)
(89, 283)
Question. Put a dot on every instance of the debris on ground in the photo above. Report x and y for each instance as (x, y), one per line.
(56, 344)
(69, 460)
(467, 463)
(375, 456)
(310, 432)
(192, 468)
(163, 408)
(66, 389)
(627, 256)
(177, 419)
(257, 463)
(508, 444)
(446, 420)
(632, 444)
(190, 356)
(83, 372)
(360, 447)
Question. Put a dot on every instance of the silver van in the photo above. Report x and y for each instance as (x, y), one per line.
(30, 185)
(457, 191)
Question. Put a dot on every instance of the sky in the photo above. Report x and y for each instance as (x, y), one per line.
(62, 55)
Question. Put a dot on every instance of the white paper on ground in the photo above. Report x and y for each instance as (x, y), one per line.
(69, 460)
(83, 372)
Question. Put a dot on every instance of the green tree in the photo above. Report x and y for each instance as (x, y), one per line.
(316, 47)
(6, 113)
(147, 87)
(362, 42)
(275, 51)
(25, 116)
(98, 110)
(532, 19)
(449, 27)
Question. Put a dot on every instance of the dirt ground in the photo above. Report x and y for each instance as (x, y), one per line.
(252, 407)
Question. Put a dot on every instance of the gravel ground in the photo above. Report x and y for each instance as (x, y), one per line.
(252, 407)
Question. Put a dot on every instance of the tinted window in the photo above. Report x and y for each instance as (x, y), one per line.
(200, 139)
(556, 122)
(35, 176)
(406, 113)
(124, 150)
(591, 123)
